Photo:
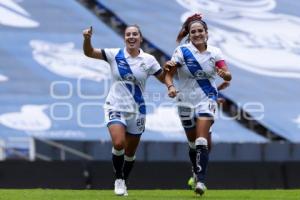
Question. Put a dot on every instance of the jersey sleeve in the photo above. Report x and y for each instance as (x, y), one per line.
(177, 56)
(155, 67)
(109, 54)
(219, 55)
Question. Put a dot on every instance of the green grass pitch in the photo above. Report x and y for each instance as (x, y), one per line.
(44, 194)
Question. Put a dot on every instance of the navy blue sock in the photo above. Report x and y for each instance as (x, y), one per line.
(202, 161)
(128, 165)
(192, 154)
(118, 163)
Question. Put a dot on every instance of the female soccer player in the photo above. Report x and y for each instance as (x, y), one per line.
(196, 65)
(125, 108)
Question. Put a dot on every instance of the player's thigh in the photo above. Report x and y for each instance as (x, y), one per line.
(117, 128)
(117, 133)
(203, 125)
(205, 113)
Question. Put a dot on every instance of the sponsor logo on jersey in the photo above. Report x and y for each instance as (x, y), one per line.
(200, 74)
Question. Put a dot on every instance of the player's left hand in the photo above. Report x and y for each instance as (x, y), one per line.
(224, 74)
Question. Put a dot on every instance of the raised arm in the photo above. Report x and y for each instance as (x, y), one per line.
(87, 46)
(170, 69)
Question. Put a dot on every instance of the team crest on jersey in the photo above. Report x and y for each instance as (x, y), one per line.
(212, 62)
(143, 66)
(129, 77)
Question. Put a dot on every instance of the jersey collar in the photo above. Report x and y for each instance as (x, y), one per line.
(195, 50)
(127, 55)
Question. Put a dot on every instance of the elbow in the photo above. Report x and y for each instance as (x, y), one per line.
(87, 53)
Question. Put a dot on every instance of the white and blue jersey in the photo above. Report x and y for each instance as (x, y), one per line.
(196, 79)
(129, 77)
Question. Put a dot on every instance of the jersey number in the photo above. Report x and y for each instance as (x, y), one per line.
(140, 122)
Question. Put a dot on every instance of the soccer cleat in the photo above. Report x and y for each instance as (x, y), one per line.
(200, 188)
(120, 187)
(192, 181)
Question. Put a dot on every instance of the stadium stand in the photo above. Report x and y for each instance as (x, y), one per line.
(44, 97)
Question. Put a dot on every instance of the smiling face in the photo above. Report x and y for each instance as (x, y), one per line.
(198, 34)
(133, 38)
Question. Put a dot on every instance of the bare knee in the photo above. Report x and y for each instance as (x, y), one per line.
(119, 144)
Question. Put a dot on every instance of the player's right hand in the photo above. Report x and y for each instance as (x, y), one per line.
(169, 65)
(87, 33)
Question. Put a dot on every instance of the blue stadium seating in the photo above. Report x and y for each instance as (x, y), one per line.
(42, 95)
